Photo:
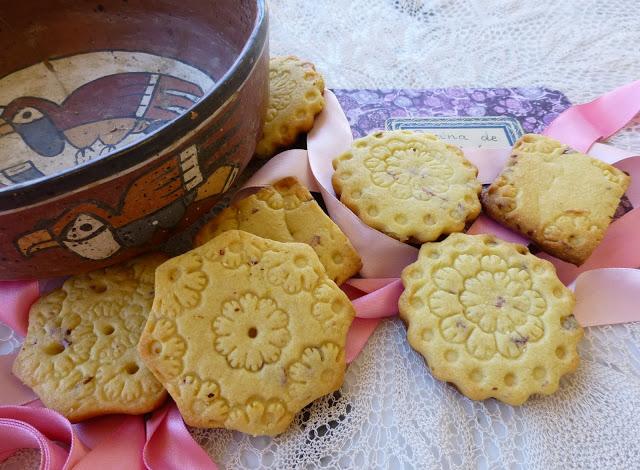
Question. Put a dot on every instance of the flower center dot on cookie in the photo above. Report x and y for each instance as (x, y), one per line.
(107, 330)
(499, 302)
(54, 349)
(252, 333)
(98, 288)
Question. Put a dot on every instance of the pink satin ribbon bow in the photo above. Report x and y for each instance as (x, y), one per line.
(605, 287)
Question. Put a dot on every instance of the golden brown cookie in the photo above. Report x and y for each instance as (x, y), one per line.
(295, 97)
(245, 332)
(409, 185)
(490, 317)
(561, 199)
(287, 212)
(80, 354)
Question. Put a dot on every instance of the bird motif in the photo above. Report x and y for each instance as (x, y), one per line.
(104, 112)
(95, 231)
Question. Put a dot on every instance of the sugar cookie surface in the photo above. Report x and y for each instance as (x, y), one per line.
(561, 199)
(287, 212)
(490, 317)
(295, 97)
(80, 354)
(409, 185)
(245, 332)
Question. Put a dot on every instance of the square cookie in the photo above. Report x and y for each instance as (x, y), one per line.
(287, 212)
(561, 199)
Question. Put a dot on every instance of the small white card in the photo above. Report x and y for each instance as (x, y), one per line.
(490, 132)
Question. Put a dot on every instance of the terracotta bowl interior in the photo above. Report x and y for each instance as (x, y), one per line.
(204, 33)
(61, 108)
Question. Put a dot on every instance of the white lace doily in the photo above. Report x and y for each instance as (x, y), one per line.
(391, 413)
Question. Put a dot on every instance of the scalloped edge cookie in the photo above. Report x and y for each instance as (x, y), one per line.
(80, 354)
(296, 91)
(409, 185)
(245, 332)
(490, 317)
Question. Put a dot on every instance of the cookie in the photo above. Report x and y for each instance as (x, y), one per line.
(490, 317)
(287, 212)
(80, 354)
(561, 199)
(245, 332)
(409, 185)
(295, 97)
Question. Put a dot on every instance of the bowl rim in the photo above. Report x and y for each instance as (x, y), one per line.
(20, 196)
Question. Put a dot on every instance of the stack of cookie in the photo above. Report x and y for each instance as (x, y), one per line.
(487, 315)
(243, 331)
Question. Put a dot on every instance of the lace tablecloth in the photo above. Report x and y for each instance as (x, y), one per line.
(391, 413)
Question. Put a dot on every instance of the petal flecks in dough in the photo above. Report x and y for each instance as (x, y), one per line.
(455, 329)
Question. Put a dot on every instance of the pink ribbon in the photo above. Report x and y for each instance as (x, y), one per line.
(13, 391)
(170, 446)
(15, 299)
(116, 441)
(583, 124)
(39, 428)
(331, 136)
(373, 300)
(602, 296)
(603, 288)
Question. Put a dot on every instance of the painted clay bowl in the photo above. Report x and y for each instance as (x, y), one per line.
(121, 122)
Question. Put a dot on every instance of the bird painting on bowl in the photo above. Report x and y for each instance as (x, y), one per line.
(96, 231)
(99, 115)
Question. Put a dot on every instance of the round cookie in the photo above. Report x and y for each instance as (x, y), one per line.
(245, 332)
(295, 97)
(409, 185)
(490, 317)
(80, 355)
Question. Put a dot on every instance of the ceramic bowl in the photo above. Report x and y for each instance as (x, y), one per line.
(121, 121)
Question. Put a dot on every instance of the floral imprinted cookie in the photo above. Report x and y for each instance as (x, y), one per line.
(410, 185)
(287, 212)
(295, 97)
(80, 354)
(561, 199)
(490, 317)
(245, 332)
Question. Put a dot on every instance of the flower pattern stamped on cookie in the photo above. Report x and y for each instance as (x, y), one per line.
(266, 338)
(490, 317)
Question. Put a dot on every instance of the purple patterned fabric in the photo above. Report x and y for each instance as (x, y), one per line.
(368, 109)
